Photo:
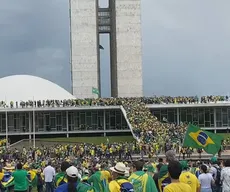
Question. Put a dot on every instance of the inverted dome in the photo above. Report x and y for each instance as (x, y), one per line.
(27, 87)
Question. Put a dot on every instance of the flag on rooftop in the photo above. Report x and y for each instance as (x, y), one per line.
(101, 47)
(95, 91)
(199, 139)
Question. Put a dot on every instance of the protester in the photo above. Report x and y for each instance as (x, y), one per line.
(163, 178)
(206, 179)
(40, 181)
(119, 182)
(73, 183)
(20, 179)
(215, 171)
(188, 178)
(60, 177)
(225, 176)
(175, 169)
(99, 180)
(49, 173)
(141, 180)
(156, 175)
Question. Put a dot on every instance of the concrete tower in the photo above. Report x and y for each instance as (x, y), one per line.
(122, 21)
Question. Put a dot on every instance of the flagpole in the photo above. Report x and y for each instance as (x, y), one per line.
(33, 124)
(6, 125)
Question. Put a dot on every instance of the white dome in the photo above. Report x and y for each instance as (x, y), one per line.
(27, 87)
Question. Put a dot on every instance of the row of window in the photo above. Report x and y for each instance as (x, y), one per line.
(203, 117)
(57, 121)
(114, 119)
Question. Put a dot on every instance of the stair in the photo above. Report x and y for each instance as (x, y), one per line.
(139, 119)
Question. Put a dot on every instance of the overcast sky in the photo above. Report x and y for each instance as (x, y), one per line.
(186, 44)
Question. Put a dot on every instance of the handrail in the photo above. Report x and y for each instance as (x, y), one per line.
(13, 144)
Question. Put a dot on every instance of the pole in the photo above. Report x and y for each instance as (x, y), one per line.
(33, 124)
(6, 129)
(6, 124)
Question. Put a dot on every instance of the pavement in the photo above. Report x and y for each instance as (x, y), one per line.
(193, 157)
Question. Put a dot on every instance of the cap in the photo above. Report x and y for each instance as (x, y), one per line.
(72, 172)
(213, 160)
(184, 165)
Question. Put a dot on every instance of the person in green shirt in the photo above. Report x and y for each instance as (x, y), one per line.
(20, 179)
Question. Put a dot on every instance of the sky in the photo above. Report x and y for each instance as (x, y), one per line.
(186, 44)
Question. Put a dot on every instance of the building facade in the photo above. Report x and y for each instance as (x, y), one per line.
(122, 21)
(105, 119)
(211, 116)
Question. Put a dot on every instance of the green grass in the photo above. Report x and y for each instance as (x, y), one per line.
(99, 140)
(95, 140)
(224, 135)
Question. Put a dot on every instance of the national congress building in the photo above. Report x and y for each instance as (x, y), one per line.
(52, 116)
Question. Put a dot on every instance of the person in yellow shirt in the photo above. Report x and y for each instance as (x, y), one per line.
(187, 177)
(1, 174)
(174, 170)
(119, 182)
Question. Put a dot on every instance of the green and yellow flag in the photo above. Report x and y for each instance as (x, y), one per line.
(95, 91)
(199, 139)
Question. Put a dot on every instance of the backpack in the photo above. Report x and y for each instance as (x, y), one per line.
(218, 175)
(126, 187)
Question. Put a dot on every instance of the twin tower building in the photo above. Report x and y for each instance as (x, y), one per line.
(122, 21)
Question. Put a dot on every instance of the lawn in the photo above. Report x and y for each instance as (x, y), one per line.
(98, 140)
(224, 135)
(95, 140)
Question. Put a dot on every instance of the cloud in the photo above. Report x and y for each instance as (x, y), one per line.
(185, 44)
(34, 39)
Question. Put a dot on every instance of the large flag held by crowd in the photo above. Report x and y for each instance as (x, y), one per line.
(200, 139)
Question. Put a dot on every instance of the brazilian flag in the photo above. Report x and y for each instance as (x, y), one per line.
(60, 179)
(7, 180)
(199, 139)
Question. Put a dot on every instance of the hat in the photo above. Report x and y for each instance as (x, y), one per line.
(86, 171)
(119, 168)
(150, 168)
(145, 168)
(213, 160)
(72, 172)
(8, 167)
(184, 165)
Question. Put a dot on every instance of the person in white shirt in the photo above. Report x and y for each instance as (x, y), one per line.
(49, 174)
(206, 179)
(225, 176)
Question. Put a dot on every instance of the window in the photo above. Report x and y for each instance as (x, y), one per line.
(183, 115)
(82, 118)
(207, 116)
(171, 115)
(218, 114)
(201, 117)
(225, 120)
(94, 118)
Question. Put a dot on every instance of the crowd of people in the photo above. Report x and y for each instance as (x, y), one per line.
(147, 128)
(114, 101)
(66, 168)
